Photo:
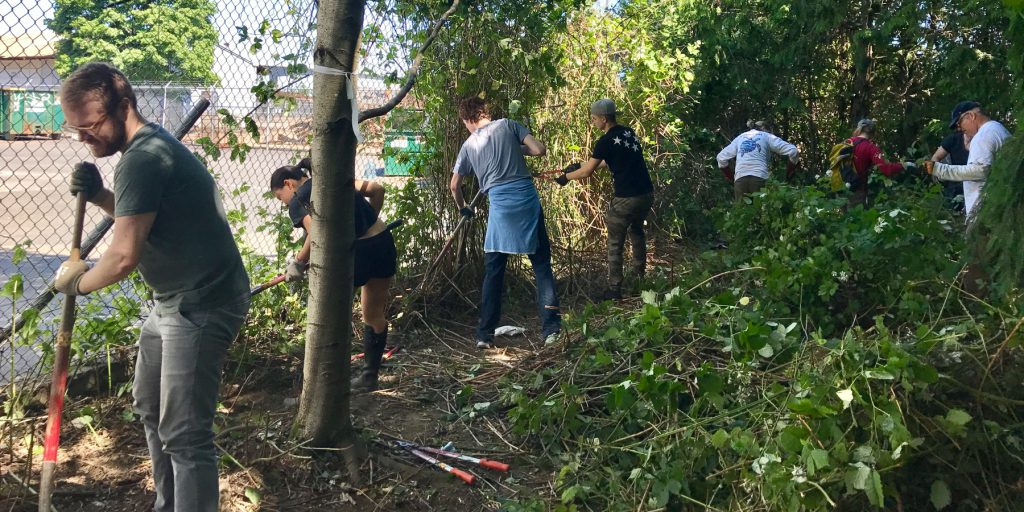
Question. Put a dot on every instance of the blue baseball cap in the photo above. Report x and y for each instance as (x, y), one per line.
(963, 106)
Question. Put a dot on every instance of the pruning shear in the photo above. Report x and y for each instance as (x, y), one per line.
(422, 451)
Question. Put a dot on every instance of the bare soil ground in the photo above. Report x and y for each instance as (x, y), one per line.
(104, 466)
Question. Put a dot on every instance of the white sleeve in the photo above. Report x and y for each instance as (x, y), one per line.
(969, 172)
(727, 154)
(781, 147)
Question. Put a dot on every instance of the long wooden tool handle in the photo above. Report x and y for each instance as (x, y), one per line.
(448, 244)
(58, 384)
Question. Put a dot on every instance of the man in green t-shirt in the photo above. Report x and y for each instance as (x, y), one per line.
(170, 224)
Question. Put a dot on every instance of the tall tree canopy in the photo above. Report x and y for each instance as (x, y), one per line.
(147, 39)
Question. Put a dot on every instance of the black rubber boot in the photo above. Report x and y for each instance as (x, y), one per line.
(373, 350)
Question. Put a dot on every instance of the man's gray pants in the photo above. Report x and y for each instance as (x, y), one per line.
(177, 379)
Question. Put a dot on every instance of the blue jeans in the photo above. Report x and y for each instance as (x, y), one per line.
(177, 379)
(494, 285)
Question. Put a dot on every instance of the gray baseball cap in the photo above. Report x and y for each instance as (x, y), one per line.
(603, 107)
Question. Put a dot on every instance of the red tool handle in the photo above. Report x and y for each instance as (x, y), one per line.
(273, 282)
(464, 476)
(495, 465)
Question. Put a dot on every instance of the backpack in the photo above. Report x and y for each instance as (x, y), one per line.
(841, 165)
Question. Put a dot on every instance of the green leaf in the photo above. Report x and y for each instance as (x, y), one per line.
(13, 288)
(874, 490)
(649, 297)
(252, 495)
(719, 438)
(19, 254)
(818, 459)
(881, 374)
(958, 417)
(710, 383)
(940, 495)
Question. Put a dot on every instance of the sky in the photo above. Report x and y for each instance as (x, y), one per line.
(21, 16)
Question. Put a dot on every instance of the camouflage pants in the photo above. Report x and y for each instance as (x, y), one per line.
(626, 215)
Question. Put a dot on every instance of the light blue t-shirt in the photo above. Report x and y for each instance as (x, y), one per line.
(495, 154)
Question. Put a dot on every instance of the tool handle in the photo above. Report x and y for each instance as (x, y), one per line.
(495, 465)
(387, 355)
(269, 284)
(462, 475)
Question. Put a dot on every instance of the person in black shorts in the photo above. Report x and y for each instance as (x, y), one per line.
(953, 147)
(375, 261)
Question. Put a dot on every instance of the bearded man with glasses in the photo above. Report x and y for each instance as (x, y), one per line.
(170, 224)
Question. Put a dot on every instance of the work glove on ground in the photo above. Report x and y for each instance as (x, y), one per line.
(86, 178)
(295, 270)
(727, 172)
(467, 212)
(68, 276)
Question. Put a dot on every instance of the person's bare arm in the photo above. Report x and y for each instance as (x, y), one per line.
(586, 169)
(456, 187)
(303, 254)
(373, 192)
(124, 253)
(940, 154)
(105, 200)
(533, 147)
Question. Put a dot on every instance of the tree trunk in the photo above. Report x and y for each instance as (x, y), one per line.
(324, 417)
(863, 64)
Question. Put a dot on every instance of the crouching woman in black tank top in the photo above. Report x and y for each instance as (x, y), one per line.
(375, 259)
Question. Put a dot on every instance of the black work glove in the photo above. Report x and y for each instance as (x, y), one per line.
(571, 167)
(562, 180)
(86, 179)
(467, 212)
(791, 169)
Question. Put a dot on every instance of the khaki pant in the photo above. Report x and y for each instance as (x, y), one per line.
(747, 185)
(626, 215)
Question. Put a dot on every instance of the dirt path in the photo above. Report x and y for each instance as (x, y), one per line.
(425, 397)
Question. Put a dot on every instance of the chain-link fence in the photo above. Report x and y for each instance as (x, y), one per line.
(41, 42)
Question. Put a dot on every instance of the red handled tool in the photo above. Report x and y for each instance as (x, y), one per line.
(387, 355)
(269, 284)
(59, 382)
(484, 463)
(462, 475)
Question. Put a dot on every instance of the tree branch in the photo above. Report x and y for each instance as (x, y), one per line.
(414, 70)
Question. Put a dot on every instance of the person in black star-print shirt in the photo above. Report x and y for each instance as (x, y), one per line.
(619, 149)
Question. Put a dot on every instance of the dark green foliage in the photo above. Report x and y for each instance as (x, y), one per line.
(147, 40)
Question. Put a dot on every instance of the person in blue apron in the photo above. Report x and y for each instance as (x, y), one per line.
(375, 258)
(495, 152)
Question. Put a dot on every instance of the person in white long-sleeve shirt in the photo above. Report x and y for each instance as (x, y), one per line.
(987, 137)
(752, 150)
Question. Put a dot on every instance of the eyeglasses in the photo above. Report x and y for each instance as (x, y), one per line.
(960, 119)
(77, 131)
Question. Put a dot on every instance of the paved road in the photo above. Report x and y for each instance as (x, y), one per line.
(35, 207)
